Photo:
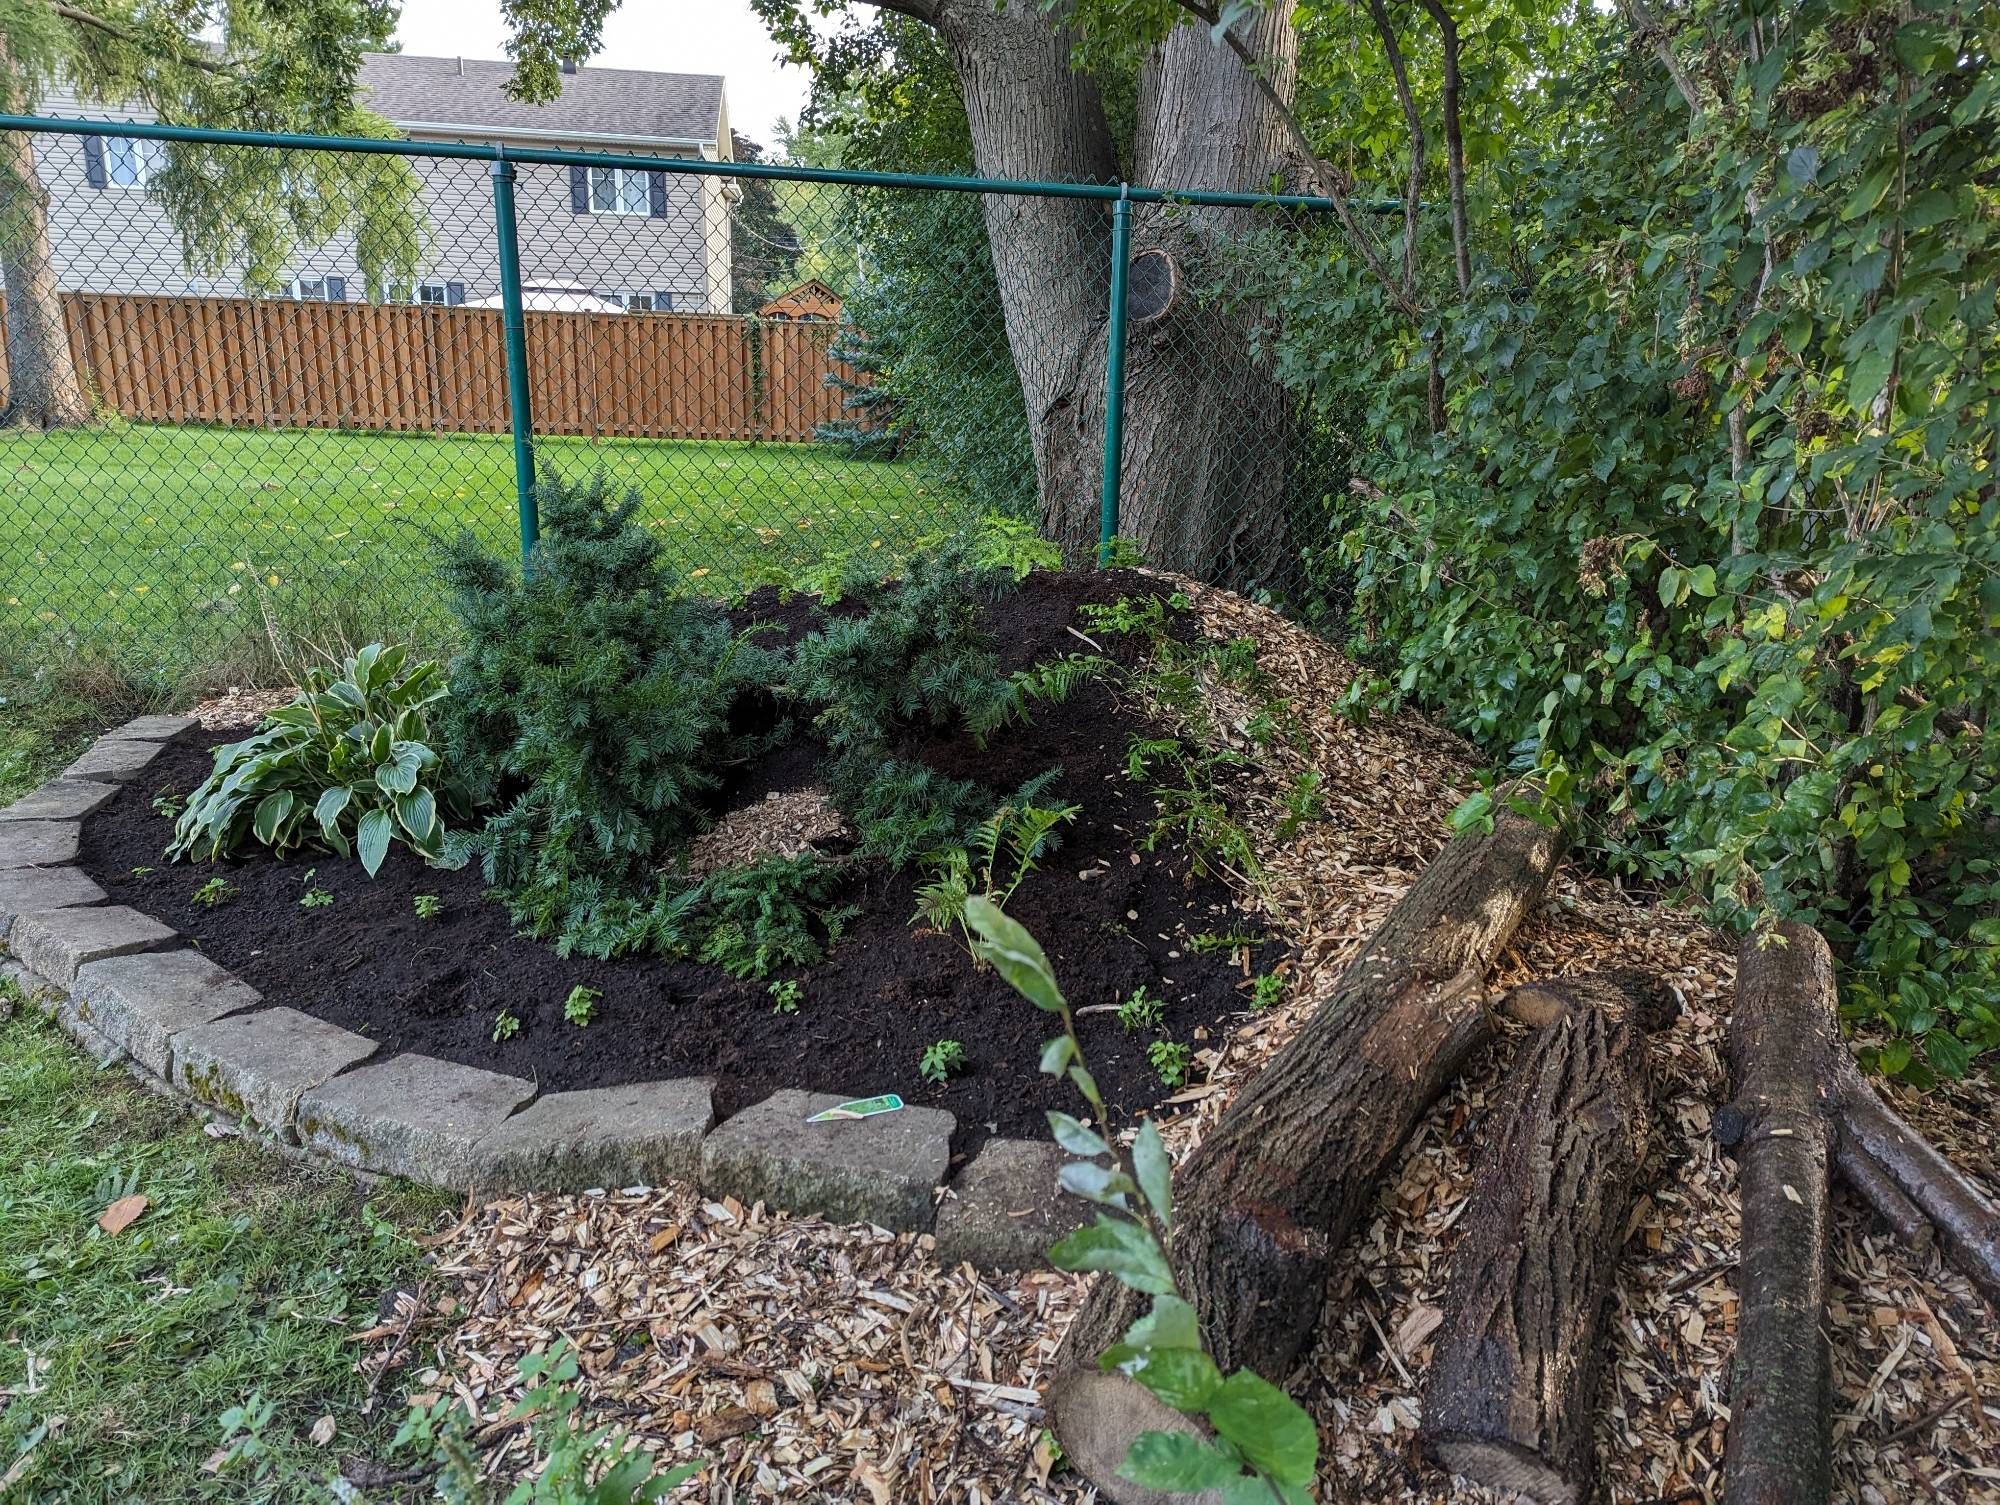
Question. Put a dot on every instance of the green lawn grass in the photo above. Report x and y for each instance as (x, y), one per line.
(245, 1274)
(142, 534)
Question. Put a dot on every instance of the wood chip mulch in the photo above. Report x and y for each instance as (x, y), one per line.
(811, 1362)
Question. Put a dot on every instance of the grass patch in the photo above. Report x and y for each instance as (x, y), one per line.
(244, 1274)
(141, 532)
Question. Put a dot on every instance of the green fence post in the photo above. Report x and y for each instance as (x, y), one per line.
(1114, 377)
(515, 330)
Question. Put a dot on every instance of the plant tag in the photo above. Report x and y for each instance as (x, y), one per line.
(861, 1107)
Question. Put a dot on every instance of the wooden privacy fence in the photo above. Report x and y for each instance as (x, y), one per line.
(269, 363)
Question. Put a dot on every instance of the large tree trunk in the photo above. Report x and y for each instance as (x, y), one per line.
(1291, 1166)
(1512, 1389)
(1782, 1044)
(42, 386)
(1207, 445)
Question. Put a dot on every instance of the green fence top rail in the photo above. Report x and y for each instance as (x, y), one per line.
(696, 166)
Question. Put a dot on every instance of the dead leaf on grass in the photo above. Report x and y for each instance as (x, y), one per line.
(121, 1214)
(322, 1431)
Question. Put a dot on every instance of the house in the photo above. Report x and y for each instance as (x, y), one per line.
(590, 239)
(811, 302)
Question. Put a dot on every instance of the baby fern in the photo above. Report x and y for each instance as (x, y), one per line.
(1003, 849)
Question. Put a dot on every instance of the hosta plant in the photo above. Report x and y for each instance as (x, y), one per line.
(348, 765)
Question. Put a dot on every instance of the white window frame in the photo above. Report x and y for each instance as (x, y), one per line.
(623, 185)
(635, 300)
(299, 290)
(133, 161)
(424, 294)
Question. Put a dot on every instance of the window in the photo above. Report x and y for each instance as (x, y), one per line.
(618, 190)
(132, 163)
(434, 292)
(319, 289)
(639, 302)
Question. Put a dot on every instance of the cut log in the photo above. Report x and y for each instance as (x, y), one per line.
(1291, 1165)
(1866, 1176)
(1513, 1381)
(1782, 1046)
(1914, 1176)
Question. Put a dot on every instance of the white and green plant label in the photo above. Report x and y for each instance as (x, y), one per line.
(861, 1107)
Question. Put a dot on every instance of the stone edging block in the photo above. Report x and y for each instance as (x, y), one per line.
(257, 1066)
(412, 1116)
(56, 942)
(114, 760)
(38, 843)
(61, 799)
(643, 1134)
(25, 889)
(882, 1170)
(141, 1001)
(150, 729)
(1005, 1209)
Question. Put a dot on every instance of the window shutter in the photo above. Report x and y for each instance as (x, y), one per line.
(579, 190)
(663, 302)
(656, 191)
(93, 161)
(454, 294)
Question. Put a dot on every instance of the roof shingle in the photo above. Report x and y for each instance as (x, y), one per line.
(471, 92)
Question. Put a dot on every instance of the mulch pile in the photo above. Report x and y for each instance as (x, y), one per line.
(1114, 918)
(812, 1362)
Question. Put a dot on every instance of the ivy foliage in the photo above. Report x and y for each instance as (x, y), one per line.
(1710, 534)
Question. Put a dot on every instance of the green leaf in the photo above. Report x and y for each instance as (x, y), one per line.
(1057, 1054)
(1949, 1054)
(1184, 1378)
(1274, 1433)
(417, 813)
(331, 803)
(1123, 1250)
(1155, 1172)
(1169, 1323)
(1074, 1137)
(1867, 375)
(1868, 192)
(270, 815)
(371, 839)
(1013, 953)
(1177, 1461)
(1104, 1184)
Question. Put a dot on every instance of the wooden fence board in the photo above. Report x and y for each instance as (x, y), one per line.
(280, 364)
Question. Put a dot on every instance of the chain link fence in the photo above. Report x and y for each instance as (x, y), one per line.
(251, 384)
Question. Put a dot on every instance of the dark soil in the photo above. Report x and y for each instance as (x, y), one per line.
(886, 991)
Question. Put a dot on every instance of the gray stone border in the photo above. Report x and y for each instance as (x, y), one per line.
(125, 988)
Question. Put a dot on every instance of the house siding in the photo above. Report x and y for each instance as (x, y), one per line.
(119, 239)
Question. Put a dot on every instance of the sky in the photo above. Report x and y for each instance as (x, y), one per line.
(708, 36)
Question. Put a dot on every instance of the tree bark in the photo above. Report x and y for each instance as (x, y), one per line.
(43, 390)
(1914, 1179)
(1291, 1166)
(1513, 1382)
(1207, 428)
(1783, 1041)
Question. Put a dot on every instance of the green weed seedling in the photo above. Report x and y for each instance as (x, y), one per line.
(427, 906)
(216, 891)
(786, 996)
(1266, 991)
(1210, 943)
(942, 1060)
(506, 1026)
(1304, 804)
(167, 801)
(581, 1005)
(315, 898)
(1170, 1060)
(1142, 1011)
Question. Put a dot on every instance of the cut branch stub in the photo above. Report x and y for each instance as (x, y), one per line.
(1152, 286)
(1291, 1165)
(1512, 1386)
(1783, 1045)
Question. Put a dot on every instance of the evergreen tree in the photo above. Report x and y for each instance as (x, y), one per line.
(763, 245)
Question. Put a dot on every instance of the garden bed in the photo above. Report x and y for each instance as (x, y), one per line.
(1115, 917)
